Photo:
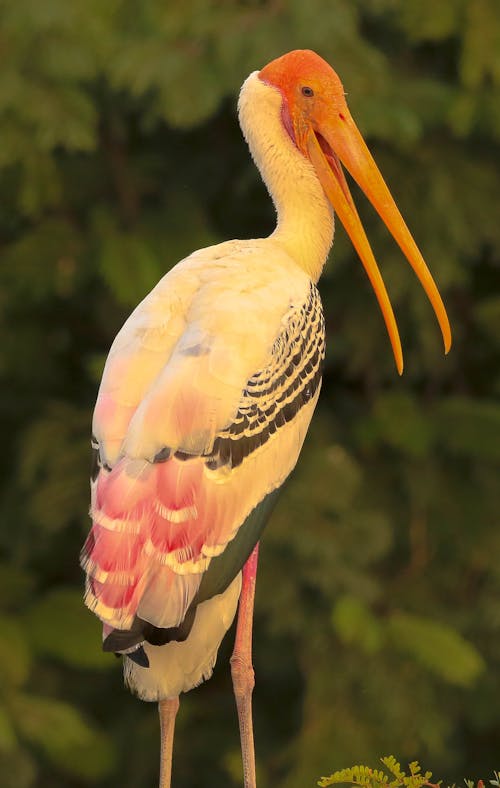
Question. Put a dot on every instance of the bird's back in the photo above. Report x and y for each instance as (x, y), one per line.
(204, 405)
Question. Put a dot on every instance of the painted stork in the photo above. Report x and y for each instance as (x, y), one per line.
(207, 395)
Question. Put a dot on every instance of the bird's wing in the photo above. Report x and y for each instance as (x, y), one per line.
(207, 434)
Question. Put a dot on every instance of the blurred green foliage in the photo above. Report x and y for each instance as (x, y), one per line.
(378, 613)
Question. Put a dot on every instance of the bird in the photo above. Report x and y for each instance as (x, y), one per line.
(207, 395)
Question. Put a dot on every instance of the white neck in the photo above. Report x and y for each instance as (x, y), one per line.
(305, 217)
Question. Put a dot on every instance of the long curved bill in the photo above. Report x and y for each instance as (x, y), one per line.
(340, 139)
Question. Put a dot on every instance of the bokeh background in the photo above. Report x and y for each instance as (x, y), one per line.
(378, 608)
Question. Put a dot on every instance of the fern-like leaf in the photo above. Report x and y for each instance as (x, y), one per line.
(376, 778)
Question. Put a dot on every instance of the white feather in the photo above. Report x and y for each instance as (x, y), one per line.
(178, 667)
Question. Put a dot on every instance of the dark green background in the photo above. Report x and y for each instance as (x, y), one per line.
(378, 614)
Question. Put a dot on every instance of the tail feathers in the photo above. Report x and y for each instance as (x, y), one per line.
(179, 666)
(125, 640)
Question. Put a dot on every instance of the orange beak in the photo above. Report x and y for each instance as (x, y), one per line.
(338, 140)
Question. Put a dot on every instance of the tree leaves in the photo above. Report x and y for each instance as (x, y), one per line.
(437, 647)
(371, 778)
(60, 732)
(354, 623)
(377, 600)
(15, 655)
(470, 428)
(59, 626)
(54, 452)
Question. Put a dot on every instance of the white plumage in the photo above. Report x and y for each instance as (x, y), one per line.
(178, 667)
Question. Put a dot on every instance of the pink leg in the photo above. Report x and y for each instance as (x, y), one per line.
(242, 669)
(168, 711)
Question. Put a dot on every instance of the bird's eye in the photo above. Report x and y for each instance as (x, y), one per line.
(307, 91)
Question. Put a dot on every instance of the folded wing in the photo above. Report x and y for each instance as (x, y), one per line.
(195, 427)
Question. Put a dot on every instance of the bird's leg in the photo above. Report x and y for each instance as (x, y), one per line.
(242, 668)
(167, 709)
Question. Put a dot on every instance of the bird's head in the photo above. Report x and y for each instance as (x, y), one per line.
(315, 115)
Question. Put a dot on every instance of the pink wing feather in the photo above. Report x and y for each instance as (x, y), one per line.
(153, 525)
